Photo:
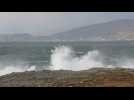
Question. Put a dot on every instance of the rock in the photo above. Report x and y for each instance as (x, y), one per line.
(103, 77)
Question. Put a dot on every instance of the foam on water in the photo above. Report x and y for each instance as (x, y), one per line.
(65, 58)
(10, 69)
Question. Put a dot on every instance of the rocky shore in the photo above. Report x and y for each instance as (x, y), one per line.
(97, 77)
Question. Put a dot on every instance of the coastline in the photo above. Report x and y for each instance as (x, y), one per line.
(97, 77)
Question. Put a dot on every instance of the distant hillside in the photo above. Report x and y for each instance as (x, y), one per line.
(113, 30)
(15, 37)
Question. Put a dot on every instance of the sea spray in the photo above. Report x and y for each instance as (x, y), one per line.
(64, 58)
(10, 69)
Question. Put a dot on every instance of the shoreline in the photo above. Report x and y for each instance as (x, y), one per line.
(96, 77)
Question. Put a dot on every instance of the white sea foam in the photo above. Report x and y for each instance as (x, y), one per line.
(64, 58)
(11, 69)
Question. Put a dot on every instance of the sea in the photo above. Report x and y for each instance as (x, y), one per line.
(75, 55)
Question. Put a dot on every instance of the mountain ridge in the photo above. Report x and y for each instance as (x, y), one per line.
(112, 30)
(122, 29)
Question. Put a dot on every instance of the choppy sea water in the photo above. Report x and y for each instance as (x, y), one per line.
(27, 56)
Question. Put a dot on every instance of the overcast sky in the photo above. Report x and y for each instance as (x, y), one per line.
(53, 22)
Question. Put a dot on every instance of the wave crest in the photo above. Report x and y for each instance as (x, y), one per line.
(64, 58)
